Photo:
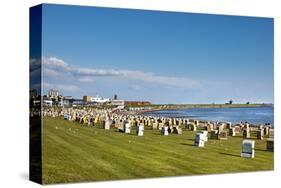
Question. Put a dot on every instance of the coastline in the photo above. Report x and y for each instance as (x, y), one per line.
(182, 106)
(165, 112)
(192, 106)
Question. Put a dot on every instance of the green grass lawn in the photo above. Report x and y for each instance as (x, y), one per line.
(72, 153)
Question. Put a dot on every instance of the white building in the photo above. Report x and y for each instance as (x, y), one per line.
(98, 99)
(117, 102)
(47, 102)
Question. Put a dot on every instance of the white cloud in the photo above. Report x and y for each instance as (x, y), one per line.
(50, 72)
(163, 80)
(95, 72)
(54, 62)
(54, 66)
(86, 79)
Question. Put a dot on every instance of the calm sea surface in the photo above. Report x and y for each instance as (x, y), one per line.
(259, 115)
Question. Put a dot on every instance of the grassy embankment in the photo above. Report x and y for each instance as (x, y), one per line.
(182, 106)
(72, 153)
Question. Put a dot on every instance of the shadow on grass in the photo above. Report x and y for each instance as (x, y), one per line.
(261, 149)
(157, 133)
(133, 133)
(229, 154)
(119, 131)
(191, 139)
(187, 144)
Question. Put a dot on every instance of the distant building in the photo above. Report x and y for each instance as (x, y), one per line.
(93, 100)
(139, 108)
(87, 98)
(115, 97)
(117, 102)
(60, 102)
(47, 101)
(67, 101)
(230, 102)
(68, 98)
(53, 93)
(98, 99)
(78, 102)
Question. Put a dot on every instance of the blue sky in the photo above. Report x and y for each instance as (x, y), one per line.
(163, 57)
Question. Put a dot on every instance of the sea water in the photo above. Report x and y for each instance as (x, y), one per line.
(254, 115)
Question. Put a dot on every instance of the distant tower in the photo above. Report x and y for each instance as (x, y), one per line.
(115, 97)
(53, 93)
